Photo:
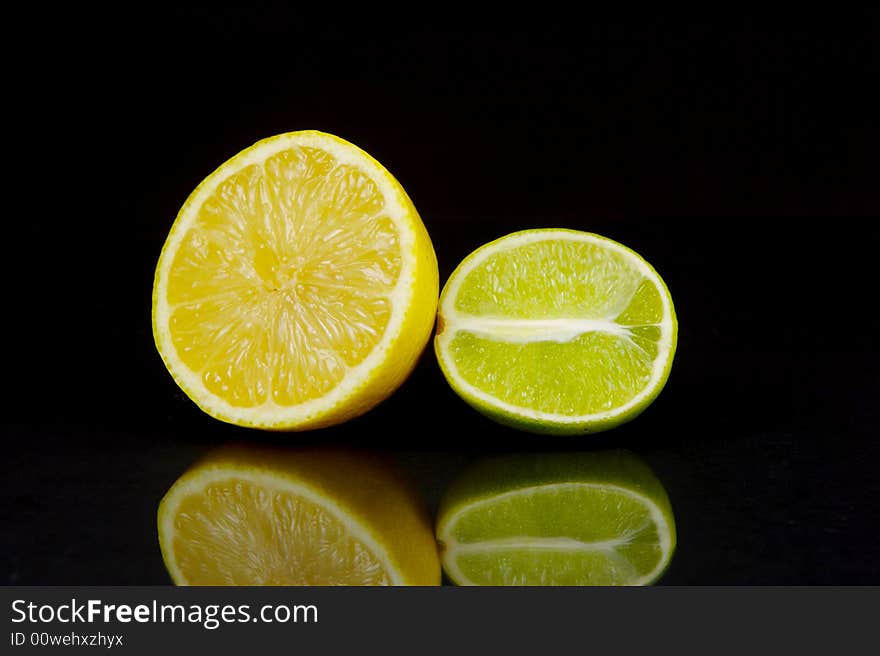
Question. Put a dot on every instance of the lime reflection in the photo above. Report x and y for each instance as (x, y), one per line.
(595, 518)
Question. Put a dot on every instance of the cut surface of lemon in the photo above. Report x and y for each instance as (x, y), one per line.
(556, 331)
(252, 516)
(297, 286)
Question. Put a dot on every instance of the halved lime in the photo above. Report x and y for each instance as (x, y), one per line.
(556, 331)
(557, 519)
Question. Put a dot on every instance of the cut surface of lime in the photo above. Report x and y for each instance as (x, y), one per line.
(556, 331)
(557, 519)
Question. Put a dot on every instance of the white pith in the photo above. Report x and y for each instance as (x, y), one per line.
(195, 485)
(453, 548)
(560, 330)
(531, 330)
(270, 413)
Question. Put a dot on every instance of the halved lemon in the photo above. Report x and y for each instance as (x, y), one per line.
(262, 516)
(297, 287)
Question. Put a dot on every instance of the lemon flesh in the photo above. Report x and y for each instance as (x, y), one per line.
(557, 519)
(297, 286)
(247, 516)
(556, 331)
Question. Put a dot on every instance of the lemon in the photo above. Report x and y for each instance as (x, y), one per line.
(262, 516)
(556, 331)
(557, 519)
(297, 286)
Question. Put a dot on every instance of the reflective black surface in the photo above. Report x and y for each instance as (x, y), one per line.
(728, 152)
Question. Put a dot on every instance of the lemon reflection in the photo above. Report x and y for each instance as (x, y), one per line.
(249, 515)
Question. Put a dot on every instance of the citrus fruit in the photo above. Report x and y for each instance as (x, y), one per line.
(260, 516)
(297, 286)
(556, 519)
(556, 331)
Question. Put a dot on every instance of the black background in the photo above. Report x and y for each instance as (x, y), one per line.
(737, 153)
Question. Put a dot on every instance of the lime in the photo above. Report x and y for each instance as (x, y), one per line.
(297, 287)
(556, 519)
(263, 516)
(556, 331)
